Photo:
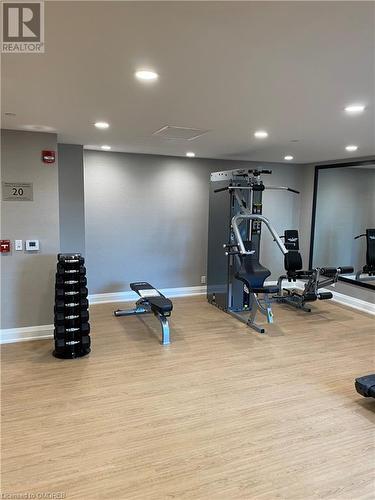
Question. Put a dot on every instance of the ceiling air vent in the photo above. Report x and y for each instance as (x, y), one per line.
(182, 133)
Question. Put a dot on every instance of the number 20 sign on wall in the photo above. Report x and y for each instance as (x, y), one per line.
(17, 191)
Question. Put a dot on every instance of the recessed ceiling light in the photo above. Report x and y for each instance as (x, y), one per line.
(102, 125)
(261, 134)
(288, 157)
(355, 108)
(190, 154)
(351, 147)
(147, 75)
(106, 148)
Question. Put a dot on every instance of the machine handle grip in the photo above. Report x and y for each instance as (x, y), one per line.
(293, 190)
(221, 189)
(331, 271)
(328, 271)
(359, 236)
(346, 270)
(325, 295)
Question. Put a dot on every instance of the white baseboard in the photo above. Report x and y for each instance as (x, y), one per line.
(359, 304)
(341, 298)
(10, 335)
(130, 296)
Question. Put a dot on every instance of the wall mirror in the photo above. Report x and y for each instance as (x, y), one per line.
(343, 222)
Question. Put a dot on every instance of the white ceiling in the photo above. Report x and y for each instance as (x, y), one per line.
(229, 67)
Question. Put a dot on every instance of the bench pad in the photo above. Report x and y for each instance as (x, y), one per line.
(158, 303)
(365, 386)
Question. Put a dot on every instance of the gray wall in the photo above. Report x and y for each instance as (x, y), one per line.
(71, 195)
(344, 209)
(146, 218)
(27, 279)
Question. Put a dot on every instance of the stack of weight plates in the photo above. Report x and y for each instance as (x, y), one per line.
(72, 329)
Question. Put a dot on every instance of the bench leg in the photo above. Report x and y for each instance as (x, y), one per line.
(165, 340)
(141, 307)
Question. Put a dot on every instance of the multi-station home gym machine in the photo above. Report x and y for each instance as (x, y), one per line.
(235, 277)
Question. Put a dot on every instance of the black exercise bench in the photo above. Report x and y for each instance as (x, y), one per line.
(151, 301)
(365, 386)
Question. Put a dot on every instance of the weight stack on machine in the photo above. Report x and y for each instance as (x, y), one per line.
(72, 328)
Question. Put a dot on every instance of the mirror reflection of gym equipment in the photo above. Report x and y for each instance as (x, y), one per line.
(367, 273)
(344, 219)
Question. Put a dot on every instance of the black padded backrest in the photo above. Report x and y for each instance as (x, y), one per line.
(370, 249)
(161, 305)
(292, 261)
(291, 239)
(251, 270)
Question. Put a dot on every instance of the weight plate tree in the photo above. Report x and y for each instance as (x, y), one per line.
(72, 328)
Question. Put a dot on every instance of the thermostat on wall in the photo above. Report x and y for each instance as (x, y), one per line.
(32, 245)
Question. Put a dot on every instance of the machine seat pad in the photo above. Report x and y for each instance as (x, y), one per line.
(160, 305)
(365, 386)
(265, 289)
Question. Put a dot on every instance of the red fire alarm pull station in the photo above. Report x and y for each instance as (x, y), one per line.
(4, 246)
(48, 156)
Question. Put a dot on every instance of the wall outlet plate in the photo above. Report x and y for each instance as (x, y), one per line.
(203, 280)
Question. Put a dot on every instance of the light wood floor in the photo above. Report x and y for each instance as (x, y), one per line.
(222, 413)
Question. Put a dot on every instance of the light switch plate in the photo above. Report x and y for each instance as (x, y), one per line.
(18, 245)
